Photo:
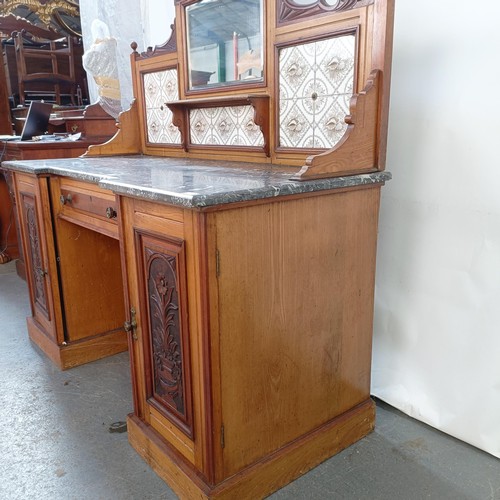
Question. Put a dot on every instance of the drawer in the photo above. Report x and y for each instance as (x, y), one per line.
(85, 204)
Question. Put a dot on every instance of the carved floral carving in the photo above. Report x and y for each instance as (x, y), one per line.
(169, 356)
(38, 274)
(165, 330)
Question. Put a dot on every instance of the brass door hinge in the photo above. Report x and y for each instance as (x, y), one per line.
(131, 326)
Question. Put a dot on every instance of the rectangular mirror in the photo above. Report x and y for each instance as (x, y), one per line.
(225, 42)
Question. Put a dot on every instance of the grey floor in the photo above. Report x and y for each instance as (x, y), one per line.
(55, 439)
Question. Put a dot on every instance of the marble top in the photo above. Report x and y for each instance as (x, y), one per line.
(188, 182)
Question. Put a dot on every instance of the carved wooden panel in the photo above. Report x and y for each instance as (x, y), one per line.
(169, 386)
(294, 10)
(38, 272)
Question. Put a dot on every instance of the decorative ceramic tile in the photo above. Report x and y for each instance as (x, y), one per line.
(295, 70)
(152, 93)
(222, 126)
(294, 124)
(331, 123)
(335, 64)
(316, 83)
(161, 87)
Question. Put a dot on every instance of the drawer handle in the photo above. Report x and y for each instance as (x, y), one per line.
(65, 199)
(110, 213)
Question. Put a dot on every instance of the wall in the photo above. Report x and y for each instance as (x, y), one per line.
(437, 343)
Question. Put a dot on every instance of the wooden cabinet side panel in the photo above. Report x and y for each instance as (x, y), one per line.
(295, 309)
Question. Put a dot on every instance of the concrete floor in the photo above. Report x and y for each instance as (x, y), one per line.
(55, 441)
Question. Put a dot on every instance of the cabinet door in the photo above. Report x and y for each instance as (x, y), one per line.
(36, 227)
(155, 253)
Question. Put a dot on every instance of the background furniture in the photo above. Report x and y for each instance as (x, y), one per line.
(5, 118)
(42, 25)
(47, 69)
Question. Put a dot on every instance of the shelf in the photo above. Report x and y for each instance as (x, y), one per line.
(260, 103)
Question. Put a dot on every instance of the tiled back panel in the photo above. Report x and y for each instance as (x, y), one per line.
(225, 126)
(316, 84)
(159, 88)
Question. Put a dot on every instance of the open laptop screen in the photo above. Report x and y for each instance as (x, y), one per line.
(37, 120)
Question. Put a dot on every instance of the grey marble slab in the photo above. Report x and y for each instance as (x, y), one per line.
(188, 182)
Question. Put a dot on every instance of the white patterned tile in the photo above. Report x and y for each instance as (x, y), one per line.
(159, 88)
(199, 125)
(223, 126)
(152, 89)
(331, 124)
(295, 125)
(249, 133)
(312, 108)
(295, 70)
(335, 64)
(171, 134)
(236, 112)
(153, 125)
(170, 86)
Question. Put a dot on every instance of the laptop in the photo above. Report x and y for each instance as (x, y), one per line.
(37, 122)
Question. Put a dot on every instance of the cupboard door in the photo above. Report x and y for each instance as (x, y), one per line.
(35, 224)
(162, 281)
(155, 250)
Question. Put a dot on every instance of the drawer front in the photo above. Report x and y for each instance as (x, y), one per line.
(85, 204)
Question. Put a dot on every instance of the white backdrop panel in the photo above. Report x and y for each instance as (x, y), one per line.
(437, 343)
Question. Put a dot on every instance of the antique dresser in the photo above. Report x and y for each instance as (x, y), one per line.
(227, 233)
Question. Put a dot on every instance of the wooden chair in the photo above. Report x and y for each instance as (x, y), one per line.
(45, 68)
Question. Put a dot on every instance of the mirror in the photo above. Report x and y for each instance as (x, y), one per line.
(224, 41)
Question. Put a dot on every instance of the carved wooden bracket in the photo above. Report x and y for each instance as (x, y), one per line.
(259, 102)
(127, 139)
(357, 151)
